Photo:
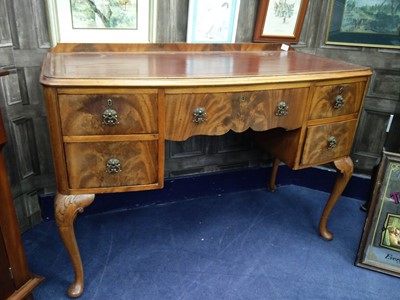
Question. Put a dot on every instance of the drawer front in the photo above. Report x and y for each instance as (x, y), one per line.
(217, 113)
(105, 114)
(91, 165)
(336, 100)
(326, 142)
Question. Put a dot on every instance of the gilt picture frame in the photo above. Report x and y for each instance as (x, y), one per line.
(279, 20)
(101, 21)
(380, 243)
(364, 23)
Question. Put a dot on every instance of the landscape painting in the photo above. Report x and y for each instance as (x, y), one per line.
(110, 14)
(367, 23)
(371, 16)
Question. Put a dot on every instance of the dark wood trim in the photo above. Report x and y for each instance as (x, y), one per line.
(260, 23)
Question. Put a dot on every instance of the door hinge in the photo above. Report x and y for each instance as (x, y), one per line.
(11, 273)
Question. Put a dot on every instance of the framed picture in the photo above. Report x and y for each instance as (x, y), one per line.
(380, 243)
(212, 21)
(372, 23)
(279, 20)
(101, 21)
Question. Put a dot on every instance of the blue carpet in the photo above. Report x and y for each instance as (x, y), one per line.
(241, 245)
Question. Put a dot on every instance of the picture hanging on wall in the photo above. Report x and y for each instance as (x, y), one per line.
(380, 244)
(212, 21)
(279, 20)
(365, 23)
(101, 21)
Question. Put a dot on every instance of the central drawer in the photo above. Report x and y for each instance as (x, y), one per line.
(107, 114)
(189, 114)
(111, 164)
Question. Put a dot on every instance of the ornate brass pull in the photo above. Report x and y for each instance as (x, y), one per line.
(113, 166)
(282, 109)
(331, 142)
(199, 115)
(110, 116)
(339, 100)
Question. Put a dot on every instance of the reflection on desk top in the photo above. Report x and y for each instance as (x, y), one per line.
(180, 68)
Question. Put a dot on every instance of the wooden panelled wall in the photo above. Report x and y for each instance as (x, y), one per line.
(24, 40)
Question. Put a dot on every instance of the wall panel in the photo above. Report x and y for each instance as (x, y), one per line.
(23, 136)
(5, 34)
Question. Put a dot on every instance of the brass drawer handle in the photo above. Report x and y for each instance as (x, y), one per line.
(110, 116)
(113, 166)
(282, 109)
(199, 115)
(331, 142)
(339, 100)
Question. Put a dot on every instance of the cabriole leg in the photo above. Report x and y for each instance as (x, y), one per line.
(274, 173)
(67, 208)
(344, 171)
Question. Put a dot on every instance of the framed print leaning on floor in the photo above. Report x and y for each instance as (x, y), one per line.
(279, 20)
(101, 21)
(365, 23)
(380, 244)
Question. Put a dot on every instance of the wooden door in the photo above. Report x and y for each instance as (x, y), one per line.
(24, 42)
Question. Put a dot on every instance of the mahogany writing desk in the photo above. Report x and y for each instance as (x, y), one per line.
(112, 106)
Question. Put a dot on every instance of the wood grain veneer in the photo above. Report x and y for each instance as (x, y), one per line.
(233, 111)
(82, 114)
(323, 101)
(164, 47)
(316, 149)
(86, 163)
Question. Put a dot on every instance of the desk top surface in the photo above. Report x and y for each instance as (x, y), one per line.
(168, 68)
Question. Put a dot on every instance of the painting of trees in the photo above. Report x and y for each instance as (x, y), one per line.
(117, 14)
(372, 16)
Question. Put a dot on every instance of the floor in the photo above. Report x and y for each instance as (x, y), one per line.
(242, 245)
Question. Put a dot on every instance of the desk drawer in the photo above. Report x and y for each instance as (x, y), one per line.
(336, 100)
(123, 114)
(327, 142)
(90, 165)
(237, 111)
